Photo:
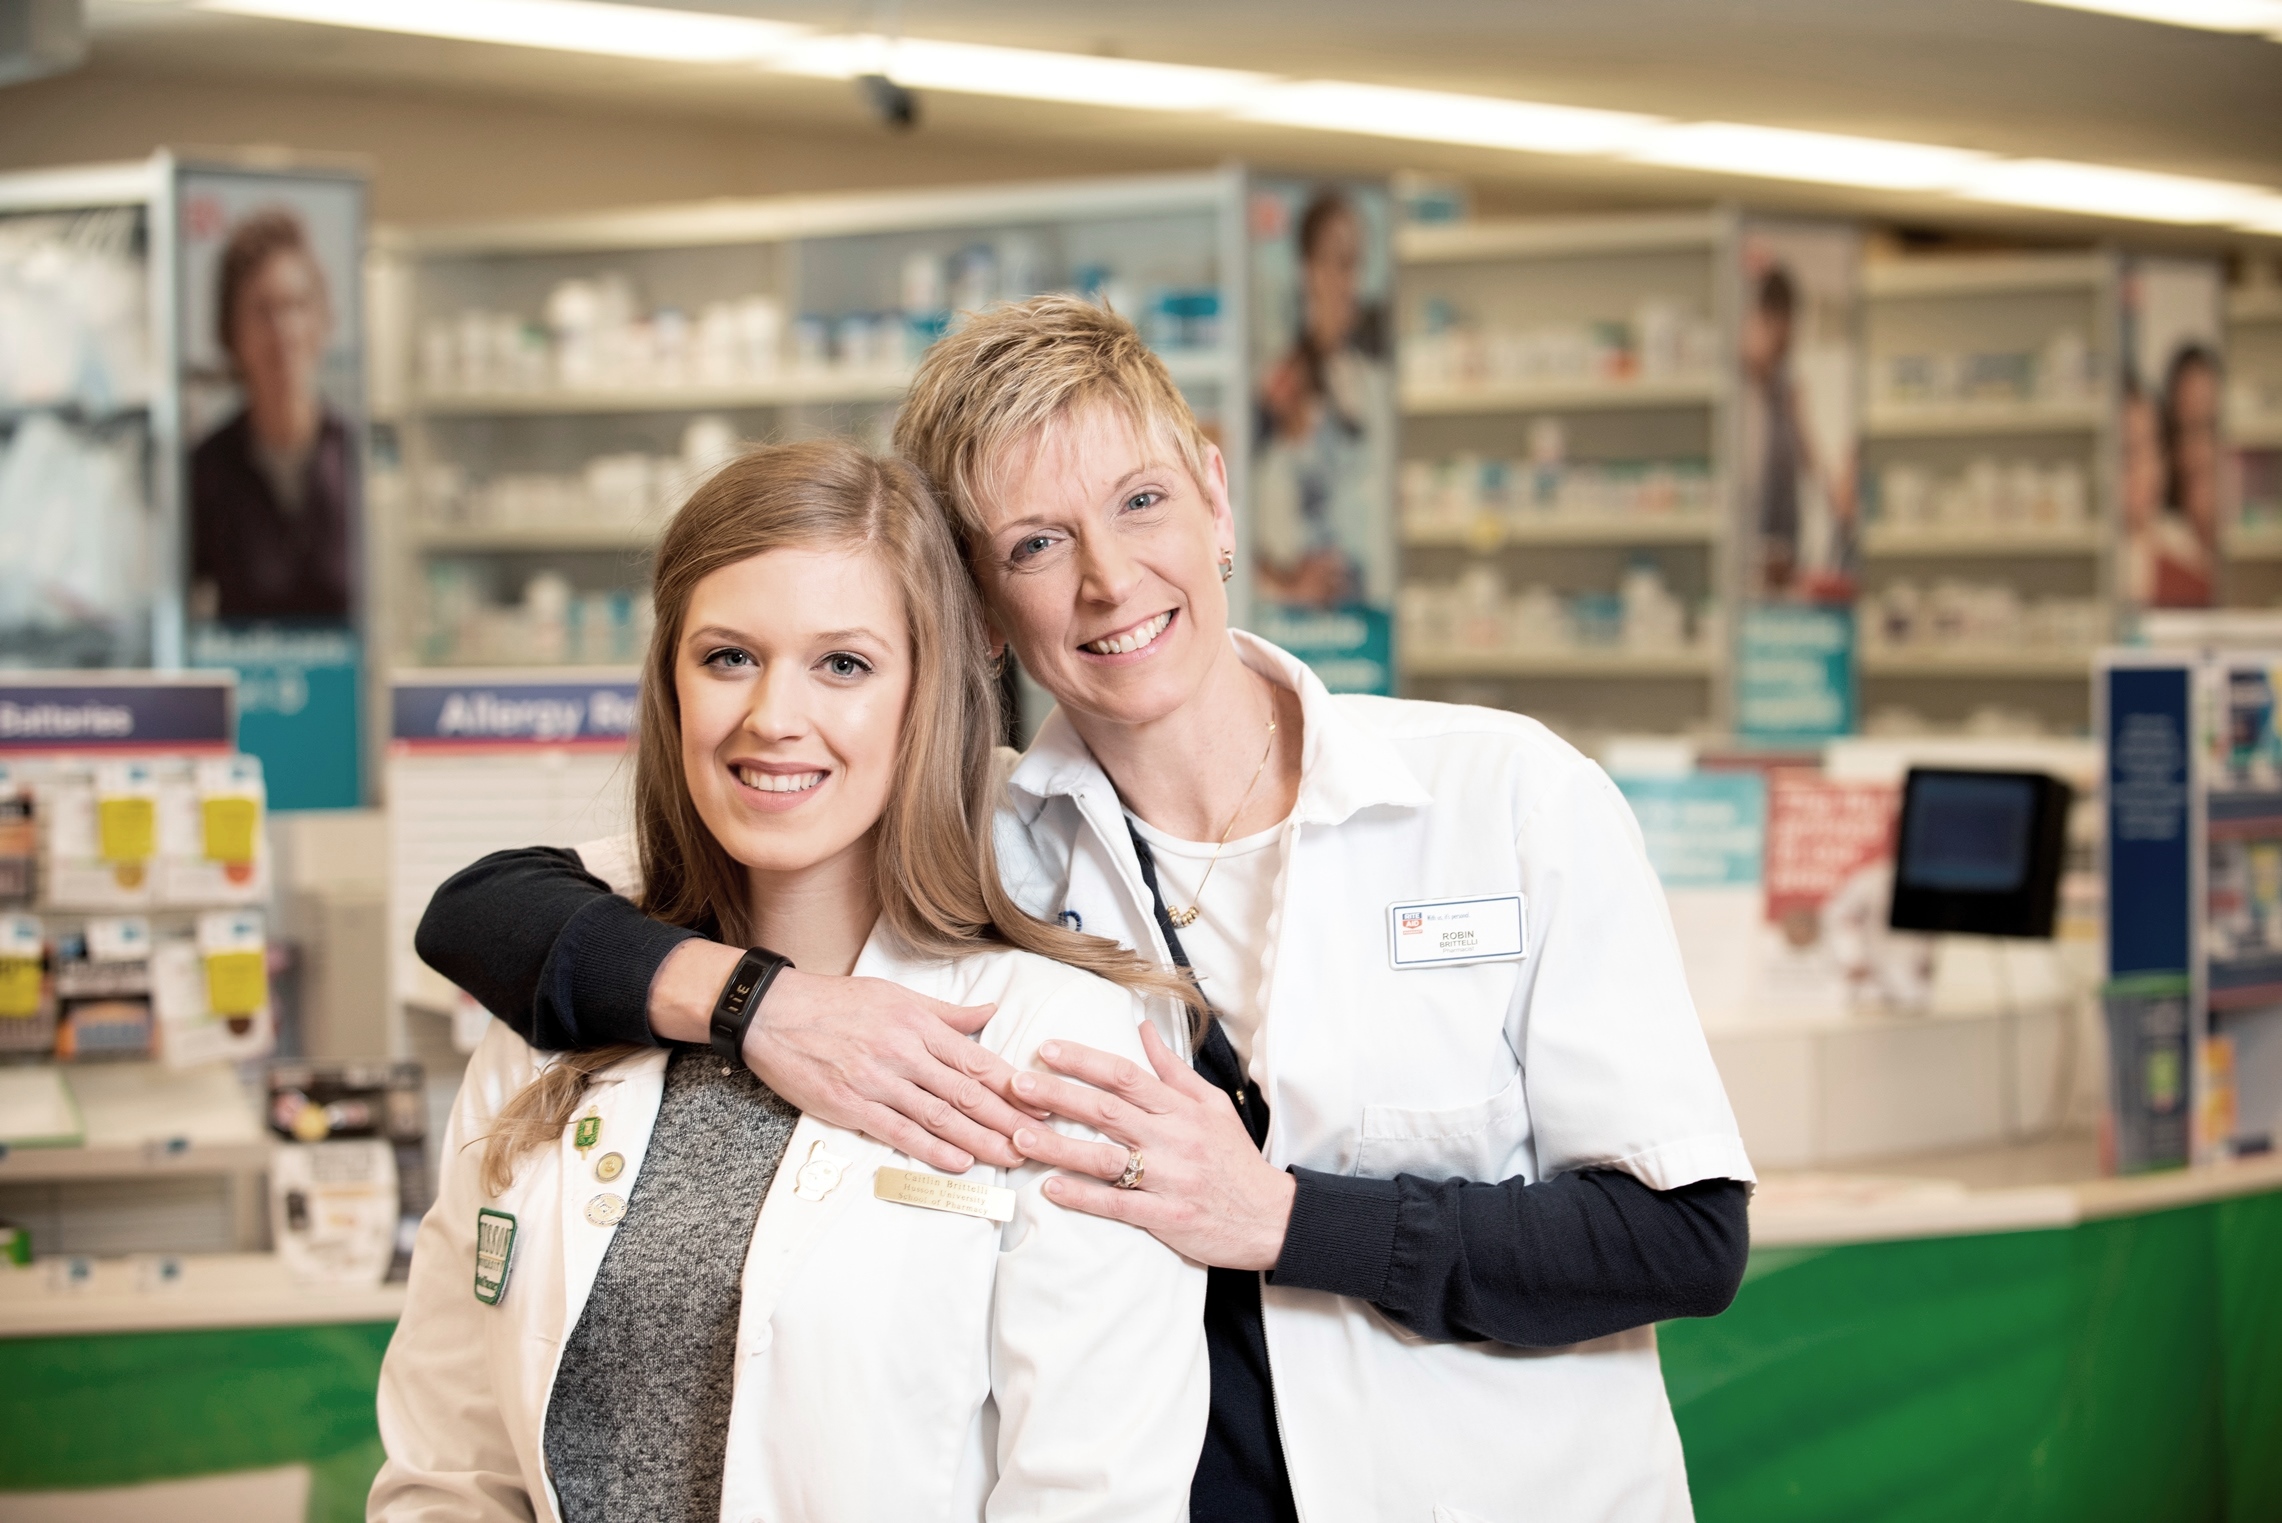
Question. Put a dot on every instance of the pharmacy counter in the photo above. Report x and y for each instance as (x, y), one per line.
(1994, 1335)
(204, 1385)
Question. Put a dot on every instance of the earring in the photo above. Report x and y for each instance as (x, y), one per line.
(1227, 565)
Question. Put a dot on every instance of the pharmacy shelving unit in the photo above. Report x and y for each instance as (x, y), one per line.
(2254, 432)
(1514, 389)
(1972, 360)
(90, 385)
(832, 297)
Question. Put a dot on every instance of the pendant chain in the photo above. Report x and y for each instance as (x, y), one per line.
(1183, 918)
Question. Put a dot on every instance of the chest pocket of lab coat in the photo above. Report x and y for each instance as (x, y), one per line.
(1464, 1142)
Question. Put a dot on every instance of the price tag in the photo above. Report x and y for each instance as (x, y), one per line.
(236, 954)
(230, 806)
(20, 949)
(126, 812)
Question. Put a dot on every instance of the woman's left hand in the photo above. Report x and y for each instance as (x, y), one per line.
(1205, 1191)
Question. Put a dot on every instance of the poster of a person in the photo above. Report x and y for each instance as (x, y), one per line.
(273, 488)
(1324, 409)
(2173, 477)
(1799, 415)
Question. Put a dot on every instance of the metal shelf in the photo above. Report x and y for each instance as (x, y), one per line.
(1559, 396)
(479, 538)
(1556, 663)
(2255, 433)
(794, 389)
(1991, 275)
(2263, 544)
(1567, 529)
(1555, 238)
(2072, 665)
(1882, 540)
(1961, 419)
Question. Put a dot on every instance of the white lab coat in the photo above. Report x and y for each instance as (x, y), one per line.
(1584, 1053)
(893, 1363)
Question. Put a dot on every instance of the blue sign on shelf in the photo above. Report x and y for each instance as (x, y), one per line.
(300, 707)
(1708, 830)
(77, 712)
(1351, 648)
(1794, 674)
(435, 711)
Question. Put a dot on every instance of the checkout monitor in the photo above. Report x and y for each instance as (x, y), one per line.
(1980, 852)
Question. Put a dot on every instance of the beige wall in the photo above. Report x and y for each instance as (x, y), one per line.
(455, 157)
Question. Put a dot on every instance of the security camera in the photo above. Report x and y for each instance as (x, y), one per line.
(894, 105)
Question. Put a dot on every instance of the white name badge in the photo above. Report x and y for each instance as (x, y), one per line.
(1436, 932)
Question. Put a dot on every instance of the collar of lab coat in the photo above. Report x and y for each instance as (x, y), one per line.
(1344, 766)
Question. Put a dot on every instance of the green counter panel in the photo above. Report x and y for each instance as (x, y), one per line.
(118, 1409)
(2127, 1369)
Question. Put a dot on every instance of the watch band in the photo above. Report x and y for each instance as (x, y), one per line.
(741, 998)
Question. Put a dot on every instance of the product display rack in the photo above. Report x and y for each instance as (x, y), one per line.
(1987, 478)
(2253, 543)
(1567, 412)
(563, 382)
(129, 409)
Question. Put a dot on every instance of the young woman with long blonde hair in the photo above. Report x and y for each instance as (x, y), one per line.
(650, 1287)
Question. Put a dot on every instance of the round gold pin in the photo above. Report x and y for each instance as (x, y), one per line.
(606, 1210)
(609, 1166)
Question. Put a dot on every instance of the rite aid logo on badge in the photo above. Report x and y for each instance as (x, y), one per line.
(1456, 930)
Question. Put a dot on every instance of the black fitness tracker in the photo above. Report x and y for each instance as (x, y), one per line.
(740, 998)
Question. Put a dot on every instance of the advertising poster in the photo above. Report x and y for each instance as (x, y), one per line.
(2173, 460)
(1322, 523)
(272, 342)
(1798, 405)
(1706, 837)
(1830, 869)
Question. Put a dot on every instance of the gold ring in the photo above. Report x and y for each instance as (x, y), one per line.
(1134, 1168)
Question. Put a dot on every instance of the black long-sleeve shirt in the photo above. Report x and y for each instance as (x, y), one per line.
(549, 949)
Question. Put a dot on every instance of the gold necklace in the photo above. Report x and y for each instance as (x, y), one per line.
(1182, 919)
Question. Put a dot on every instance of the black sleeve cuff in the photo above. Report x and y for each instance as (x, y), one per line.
(1342, 1235)
(596, 985)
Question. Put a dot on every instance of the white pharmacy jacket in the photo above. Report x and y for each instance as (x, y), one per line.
(1578, 1049)
(893, 1362)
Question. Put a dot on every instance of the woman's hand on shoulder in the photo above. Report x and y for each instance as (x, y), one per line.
(1205, 1192)
(881, 1059)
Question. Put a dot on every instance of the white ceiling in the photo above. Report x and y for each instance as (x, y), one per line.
(1996, 75)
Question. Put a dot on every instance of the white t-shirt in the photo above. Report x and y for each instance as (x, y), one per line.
(1228, 944)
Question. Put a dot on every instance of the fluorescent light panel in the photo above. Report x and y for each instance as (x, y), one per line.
(572, 26)
(2256, 17)
(1426, 116)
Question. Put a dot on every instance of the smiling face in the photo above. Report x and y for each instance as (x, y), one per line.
(793, 673)
(1100, 564)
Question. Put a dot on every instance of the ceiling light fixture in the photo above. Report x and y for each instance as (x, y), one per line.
(1783, 153)
(1426, 116)
(2255, 17)
(572, 26)
(1437, 116)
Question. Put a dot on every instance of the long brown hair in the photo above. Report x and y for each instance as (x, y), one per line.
(934, 866)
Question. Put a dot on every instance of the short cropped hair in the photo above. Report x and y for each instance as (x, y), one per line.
(1016, 372)
(255, 241)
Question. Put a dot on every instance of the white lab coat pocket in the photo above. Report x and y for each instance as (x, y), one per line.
(1464, 1142)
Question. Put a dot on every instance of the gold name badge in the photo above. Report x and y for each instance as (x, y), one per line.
(936, 1193)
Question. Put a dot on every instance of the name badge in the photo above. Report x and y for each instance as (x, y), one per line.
(933, 1192)
(494, 1254)
(1437, 932)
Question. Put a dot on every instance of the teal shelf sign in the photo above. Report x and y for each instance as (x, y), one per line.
(300, 707)
(1351, 648)
(1794, 677)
